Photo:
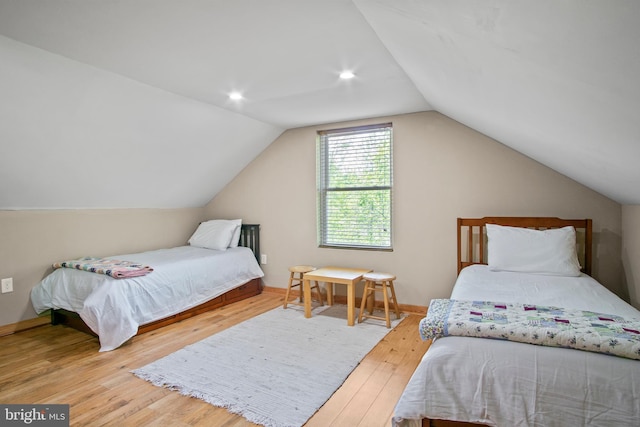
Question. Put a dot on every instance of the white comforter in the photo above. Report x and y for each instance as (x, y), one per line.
(182, 278)
(502, 383)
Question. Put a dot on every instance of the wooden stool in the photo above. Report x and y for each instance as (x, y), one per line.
(295, 279)
(378, 282)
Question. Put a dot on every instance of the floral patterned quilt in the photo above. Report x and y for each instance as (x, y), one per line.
(111, 267)
(533, 324)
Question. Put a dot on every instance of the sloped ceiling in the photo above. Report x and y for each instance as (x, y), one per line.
(125, 103)
(556, 80)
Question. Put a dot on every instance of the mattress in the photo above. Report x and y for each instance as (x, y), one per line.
(182, 278)
(503, 383)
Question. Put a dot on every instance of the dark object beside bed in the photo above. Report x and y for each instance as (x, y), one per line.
(249, 237)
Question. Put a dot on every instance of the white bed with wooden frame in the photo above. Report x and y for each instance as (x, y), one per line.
(186, 281)
(470, 381)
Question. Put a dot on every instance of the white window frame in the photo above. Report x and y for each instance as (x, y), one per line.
(369, 230)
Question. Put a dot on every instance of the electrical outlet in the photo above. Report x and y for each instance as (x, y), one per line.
(263, 259)
(7, 285)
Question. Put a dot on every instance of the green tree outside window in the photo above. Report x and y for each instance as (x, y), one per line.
(355, 187)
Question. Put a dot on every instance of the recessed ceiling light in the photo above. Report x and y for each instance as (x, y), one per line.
(345, 75)
(235, 96)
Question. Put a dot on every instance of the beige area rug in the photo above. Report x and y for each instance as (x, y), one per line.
(276, 369)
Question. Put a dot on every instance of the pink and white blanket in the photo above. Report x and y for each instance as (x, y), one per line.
(111, 267)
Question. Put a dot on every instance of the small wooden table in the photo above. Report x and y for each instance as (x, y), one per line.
(331, 275)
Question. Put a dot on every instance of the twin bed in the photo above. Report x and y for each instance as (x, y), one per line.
(464, 380)
(218, 267)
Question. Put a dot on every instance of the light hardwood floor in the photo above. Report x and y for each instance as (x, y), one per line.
(56, 364)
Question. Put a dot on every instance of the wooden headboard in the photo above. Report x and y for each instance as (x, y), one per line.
(250, 238)
(472, 236)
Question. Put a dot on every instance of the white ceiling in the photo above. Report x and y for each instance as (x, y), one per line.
(556, 81)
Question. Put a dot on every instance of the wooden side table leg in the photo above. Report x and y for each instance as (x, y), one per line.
(317, 287)
(329, 293)
(351, 302)
(306, 284)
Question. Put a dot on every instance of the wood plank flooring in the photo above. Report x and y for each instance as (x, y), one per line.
(56, 364)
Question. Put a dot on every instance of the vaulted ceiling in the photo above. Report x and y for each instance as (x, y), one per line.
(109, 104)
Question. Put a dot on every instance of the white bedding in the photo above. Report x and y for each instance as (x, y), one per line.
(502, 383)
(182, 278)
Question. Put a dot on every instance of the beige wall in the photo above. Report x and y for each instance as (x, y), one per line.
(631, 251)
(442, 170)
(30, 241)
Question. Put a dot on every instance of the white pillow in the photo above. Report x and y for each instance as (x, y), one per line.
(236, 234)
(214, 234)
(526, 250)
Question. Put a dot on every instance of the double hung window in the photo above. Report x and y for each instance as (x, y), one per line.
(355, 187)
